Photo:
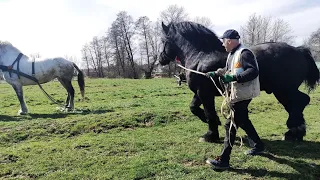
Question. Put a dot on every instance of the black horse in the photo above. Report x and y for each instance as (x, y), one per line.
(282, 67)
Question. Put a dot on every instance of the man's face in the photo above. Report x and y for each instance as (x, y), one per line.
(227, 44)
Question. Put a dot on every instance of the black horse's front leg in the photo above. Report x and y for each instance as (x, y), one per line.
(196, 110)
(207, 115)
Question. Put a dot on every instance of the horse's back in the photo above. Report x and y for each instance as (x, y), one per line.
(281, 66)
(43, 69)
(60, 67)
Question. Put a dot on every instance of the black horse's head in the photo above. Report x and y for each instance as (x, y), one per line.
(170, 49)
(187, 39)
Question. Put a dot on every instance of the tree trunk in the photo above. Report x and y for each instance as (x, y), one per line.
(147, 74)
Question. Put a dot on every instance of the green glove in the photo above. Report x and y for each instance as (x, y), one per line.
(228, 78)
(212, 74)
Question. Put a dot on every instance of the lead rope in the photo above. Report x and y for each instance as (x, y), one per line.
(226, 102)
(48, 96)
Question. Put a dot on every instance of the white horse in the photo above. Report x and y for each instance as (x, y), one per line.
(18, 70)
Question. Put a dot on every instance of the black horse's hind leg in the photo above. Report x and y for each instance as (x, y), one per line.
(294, 103)
(296, 121)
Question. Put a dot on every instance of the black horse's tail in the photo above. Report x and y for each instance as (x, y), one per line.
(80, 80)
(313, 75)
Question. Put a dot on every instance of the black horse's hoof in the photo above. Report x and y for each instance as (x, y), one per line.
(292, 138)
(210, 138)
(294, 135)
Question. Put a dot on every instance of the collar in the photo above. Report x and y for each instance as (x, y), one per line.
(234, 49)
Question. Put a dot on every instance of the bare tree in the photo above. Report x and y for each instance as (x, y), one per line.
(256, 30)
(114, 51)
(174, 14)
(85, 57)
(96, 55)
(35, 55)
(117, 47)
(126, 28)
(71, 58)
(155, 41)
(148, 44)
(260, 29)
(106, 50)
(281, 31)
(313, 42)
(205, 21)
(92, 56)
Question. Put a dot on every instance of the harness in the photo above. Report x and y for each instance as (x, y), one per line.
(18, 62)
(19, 73)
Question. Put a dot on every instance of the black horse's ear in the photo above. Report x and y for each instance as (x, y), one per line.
(165, 28)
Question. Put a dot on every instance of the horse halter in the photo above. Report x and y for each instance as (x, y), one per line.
(164, 54)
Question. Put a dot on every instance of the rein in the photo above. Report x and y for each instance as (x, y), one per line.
(225, 103)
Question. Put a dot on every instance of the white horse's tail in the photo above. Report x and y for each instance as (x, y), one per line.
(80, 80)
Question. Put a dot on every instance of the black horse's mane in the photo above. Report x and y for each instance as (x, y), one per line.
(200, 37)
(269, 42)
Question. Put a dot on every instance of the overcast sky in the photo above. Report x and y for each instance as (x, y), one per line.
(62, 27)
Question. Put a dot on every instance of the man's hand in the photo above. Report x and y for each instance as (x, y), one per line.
(220, 72)
(228, 78)
(210, 74)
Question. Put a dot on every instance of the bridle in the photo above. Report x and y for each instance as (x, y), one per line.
(175, 59)
(164, 54)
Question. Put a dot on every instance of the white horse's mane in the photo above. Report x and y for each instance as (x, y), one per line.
(5, 46)
(4, 42)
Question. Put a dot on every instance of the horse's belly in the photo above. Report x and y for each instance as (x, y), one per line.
(46, 78)
(27, 82)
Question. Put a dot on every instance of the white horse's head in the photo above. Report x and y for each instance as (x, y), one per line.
(8, 52)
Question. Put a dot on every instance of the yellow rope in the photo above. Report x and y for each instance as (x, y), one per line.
(229, 112)
(226, 110)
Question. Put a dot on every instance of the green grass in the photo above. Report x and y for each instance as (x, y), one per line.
(142, 129)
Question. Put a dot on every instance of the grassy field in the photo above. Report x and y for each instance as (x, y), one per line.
(142, 129)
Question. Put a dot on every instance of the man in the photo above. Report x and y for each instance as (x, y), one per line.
(241, 72)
